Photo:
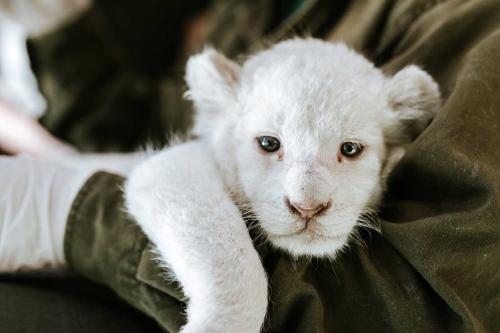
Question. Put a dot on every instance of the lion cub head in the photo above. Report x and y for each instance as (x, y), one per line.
(304, 133)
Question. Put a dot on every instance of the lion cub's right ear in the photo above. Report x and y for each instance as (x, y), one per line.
(212, 81)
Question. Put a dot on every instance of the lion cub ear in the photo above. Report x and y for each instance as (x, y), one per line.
(414, 99)
(212, 80)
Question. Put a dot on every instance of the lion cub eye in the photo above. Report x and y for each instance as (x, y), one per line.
(268, 143)
(351, 149)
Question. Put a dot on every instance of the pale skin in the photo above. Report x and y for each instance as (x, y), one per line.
(22, 134)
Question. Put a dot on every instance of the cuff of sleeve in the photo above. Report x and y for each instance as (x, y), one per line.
(104, 244)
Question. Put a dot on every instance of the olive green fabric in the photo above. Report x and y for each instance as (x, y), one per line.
(436, 265)
(104, 245)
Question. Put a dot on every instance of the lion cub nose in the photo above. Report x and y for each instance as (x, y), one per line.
(307, 211)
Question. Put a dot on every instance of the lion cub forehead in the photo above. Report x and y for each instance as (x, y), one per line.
(311, 82)
(297, 57)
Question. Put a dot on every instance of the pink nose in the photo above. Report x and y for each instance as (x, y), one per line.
(308, 211)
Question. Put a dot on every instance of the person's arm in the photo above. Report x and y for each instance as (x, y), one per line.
(56, 217)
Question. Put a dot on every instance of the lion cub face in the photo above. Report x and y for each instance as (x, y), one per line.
(306, 132)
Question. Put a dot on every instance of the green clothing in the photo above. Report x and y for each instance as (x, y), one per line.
(435, 268)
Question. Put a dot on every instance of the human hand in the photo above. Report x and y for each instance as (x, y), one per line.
(21, 134)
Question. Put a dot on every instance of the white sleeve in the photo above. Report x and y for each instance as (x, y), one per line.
(35, 200)
(117, 163)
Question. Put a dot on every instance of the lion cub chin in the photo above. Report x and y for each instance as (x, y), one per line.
(301, 136)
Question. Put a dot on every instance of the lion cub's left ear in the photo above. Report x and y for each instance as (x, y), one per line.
(414, 99)
(212, 81)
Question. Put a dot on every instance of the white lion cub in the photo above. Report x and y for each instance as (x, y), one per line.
(302, 134)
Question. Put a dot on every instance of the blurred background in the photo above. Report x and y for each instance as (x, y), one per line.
(103, 76)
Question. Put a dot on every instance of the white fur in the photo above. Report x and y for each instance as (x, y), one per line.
(313, 96)
(181, 203)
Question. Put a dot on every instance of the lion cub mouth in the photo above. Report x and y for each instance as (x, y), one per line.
(312, 232)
